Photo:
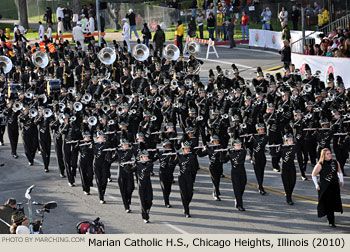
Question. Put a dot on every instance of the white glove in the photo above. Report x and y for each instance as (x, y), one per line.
(314, 179)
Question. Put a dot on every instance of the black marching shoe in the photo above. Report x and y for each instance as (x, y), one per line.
(168, 206)
(216, 198)
(241, 208)
(128, 210)
(86, 193)
(188, 216)
(262, 191)
(102, 202)
(62, 175)
(15, 156)
(46, 170)
(30, 163)
(332, 225)
(145, 221)
(304, 178)
(290, 202)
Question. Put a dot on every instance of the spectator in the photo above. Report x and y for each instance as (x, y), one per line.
(192, 28)
(286, 53)
(60, 26)
(316, 9)
(325, 16)
(20, 28)
(211, 25)
(245, 25)
(78, 34)
(59, 12)
(209, 10)
(84, 21)
(132, 20)
(311, 50)
(125, 33)
(285, 32)
(49, 32)
(295, 17)
(3, 37)
(231, 32)
(19, 219)
(179, 35)
(146, 34)
(41, 31)
(329, 52)
(91, 25)
(194, 8)
(224, 25)
(92, 10)
(159, 40)
(283, 16)
(347, 47)
(48, 15)
(174, 4)
(266, 14)
(219, 23)
(6, 212)
(67, 19)
(116, 18)
(306, 50)
(84, 10)
(200, 20)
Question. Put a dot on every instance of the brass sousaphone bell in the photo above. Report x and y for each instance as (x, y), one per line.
(40, 59)
(171, 52)
(5, 64)
(140, 52)
(107, 56)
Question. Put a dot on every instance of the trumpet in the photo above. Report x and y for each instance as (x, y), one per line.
(77, 106)
(173, 84)
(153, 118)
(111, 122)
(210, 95)
(17, 106)
(280, 110)
(106, 108)
(141, 98)
(72, 119)
(87, 97)
(28, 95)
(47, 113)
(62, 106)
(243, 126)
(92, 120)
(188, 82)
(71, 91)
(199, 118)
(307, 88)
(158, 99)
(132, 112)
(33, 113)
(317, 109)
(308, 116)
(224, 116)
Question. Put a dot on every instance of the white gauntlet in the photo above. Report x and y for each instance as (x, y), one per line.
(314, 179)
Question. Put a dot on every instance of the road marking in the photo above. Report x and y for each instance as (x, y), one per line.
(175, 228)
(272, 190)
(257, 50)
(273, 68)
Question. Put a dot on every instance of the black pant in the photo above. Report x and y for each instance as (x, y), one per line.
(239, 181)
(275, 157)
(45, 147)
(186, 191)
(288, 175)
(215, 175)
(12, 131)
(101, 179)
(67, 157)
(310, 150)
(166, 180)
(179, 44)
(259, 169)
(86, 172)
(146, 197)
(126, 186)
(330, 218)
(59, 154)
(200, 31)
(30, 143)
(300, 157)
(231, 39)
(2, 132)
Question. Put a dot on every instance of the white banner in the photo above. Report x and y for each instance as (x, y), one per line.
(273, 40)
(337, 66)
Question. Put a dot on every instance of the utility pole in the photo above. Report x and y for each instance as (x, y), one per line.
(98, 22)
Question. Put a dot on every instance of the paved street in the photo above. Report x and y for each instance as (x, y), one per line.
(265, 214)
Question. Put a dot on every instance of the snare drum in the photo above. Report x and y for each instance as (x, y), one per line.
(13, 89)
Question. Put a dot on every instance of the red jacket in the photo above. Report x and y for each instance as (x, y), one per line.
(244, 20)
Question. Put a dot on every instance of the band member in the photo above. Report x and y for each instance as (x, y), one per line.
(288, 173)
(125, 175)
(257, 143)
(236, 156)
(143, 169)
(86, 161)
(329, 200)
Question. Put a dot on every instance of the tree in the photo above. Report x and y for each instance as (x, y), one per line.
(22, 13)
(76, 6)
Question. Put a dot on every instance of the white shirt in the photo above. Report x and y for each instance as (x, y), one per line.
(49, 32)
(59, 13)
(91, 25)
(41, 31)
(126, 29)
(84, 22)
(60, 28)
(78, 33)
